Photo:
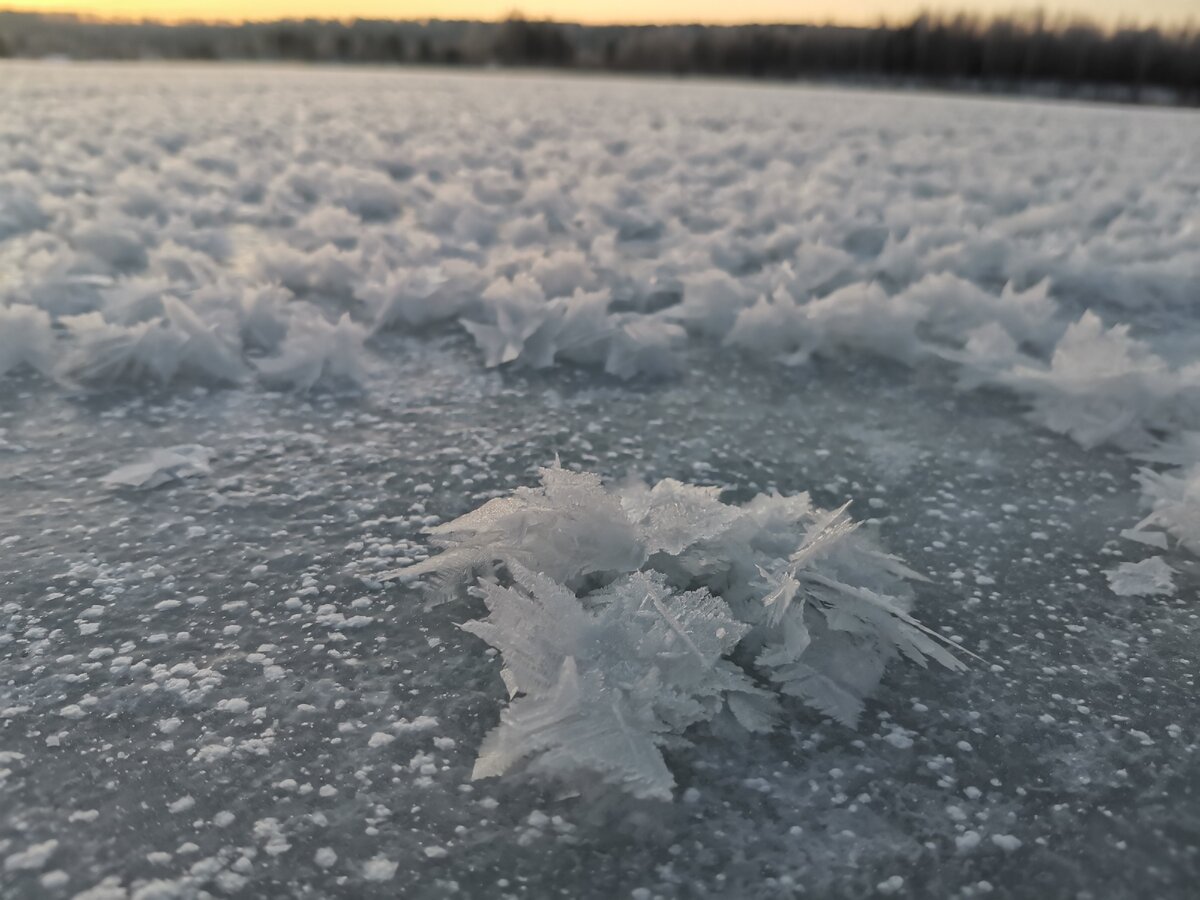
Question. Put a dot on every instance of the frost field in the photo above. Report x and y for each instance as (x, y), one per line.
(260, 328)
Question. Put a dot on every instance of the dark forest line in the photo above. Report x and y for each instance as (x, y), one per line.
(1029, 53)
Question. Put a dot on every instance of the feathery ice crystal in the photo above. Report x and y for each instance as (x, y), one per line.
(625, 615)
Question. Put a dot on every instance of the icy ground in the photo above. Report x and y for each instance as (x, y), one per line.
(204, 687)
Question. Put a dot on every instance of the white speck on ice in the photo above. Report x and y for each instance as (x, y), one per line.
(379, 739)
(420, 723)
(1148, 578)
(160, 467)
(380, 868)
(33, 857)
(1006, 842)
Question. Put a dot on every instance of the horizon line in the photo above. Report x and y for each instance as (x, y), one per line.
(882, 21)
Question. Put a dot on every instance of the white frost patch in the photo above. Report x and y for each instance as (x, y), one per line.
(967, 841)
(1006, 842)
(160, 467)
(32, 857)
(55, 879)
(1150, 577)
(420, 723)
(107, 889)
(271, 833)
(379, 868)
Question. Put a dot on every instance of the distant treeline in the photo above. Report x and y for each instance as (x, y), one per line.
(1013, 53)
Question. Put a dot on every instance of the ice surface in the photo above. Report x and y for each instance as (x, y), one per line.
(239, 648)
(235, 639)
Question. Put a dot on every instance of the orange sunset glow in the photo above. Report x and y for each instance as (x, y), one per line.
(612, 11)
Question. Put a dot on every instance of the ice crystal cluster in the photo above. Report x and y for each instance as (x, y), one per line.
(238, 245)
(626, 615)
(1173, 495)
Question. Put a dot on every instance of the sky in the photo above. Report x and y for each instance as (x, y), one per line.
(607, 11)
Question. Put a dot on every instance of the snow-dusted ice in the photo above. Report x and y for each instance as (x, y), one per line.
(393, 463)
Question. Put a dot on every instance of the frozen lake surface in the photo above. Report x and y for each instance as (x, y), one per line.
(206, 689)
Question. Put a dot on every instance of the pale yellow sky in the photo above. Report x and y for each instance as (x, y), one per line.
(625, 11)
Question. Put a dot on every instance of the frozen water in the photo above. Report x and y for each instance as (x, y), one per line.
(214, 686)
(135, 621)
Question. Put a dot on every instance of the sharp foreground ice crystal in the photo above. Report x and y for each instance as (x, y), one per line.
(634, 613)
